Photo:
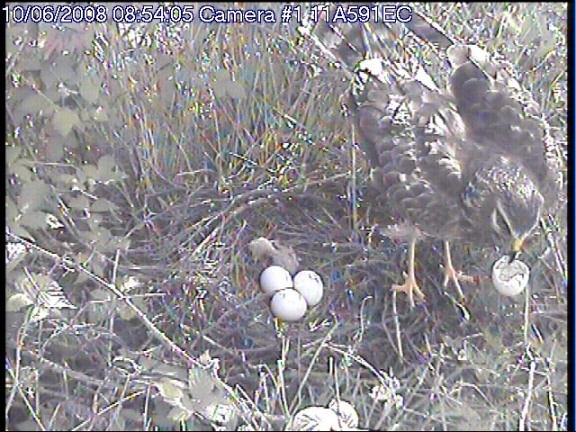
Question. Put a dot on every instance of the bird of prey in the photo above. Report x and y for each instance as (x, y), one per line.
(472, 163)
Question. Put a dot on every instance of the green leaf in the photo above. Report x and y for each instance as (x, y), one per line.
(68, 180)
(121, 243)
(11, 209)
(106, 166)
(97, 268)
(28, 425)
(85, 115)
(32, 195)
(65, 71)
(204, 388)
(17, 302)
(31, 64)
(88, 35)
(64, 120)
(127, 313)
(169, 390)
(22, 171)
(80, 203)
(22, 232)
(111, 175)
(87, 172)
(89, 90)
(12, 153)
(98, 312)
(100, 235)
(54, 150)
(219, 91)
(99, 114)
(221, 76)
(33, 104)
(102, 205)
(34, 220)
(70, 142)
(49, 79)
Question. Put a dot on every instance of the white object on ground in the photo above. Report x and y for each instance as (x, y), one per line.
(510, 279)
(309, 284)
(288, 305)
(274, 279)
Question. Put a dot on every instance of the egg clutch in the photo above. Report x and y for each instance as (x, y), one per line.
(290, 297)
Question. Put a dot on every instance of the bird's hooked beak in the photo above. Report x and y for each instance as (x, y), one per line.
(516, 249)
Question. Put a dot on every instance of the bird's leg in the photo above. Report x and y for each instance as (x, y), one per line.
(410, 286)
(450, 274)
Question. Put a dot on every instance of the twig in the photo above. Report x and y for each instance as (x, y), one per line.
(230, 213)
(115, 404)
(70, 372)
(528, 398)
(397, 327)
(112, 288)
(550, 395)
(14, 374)
(323, 343)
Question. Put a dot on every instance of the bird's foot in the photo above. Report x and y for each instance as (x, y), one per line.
(410, 287)
(451, 274)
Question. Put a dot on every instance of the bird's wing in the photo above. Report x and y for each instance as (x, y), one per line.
(498, 114)
(413, 137)
(410, 131)
(502, 117)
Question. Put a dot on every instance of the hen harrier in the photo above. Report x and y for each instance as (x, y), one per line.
(472, 164)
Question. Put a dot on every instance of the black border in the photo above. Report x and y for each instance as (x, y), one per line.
(571, 179)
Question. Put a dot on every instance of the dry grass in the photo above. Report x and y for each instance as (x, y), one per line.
(225, 134)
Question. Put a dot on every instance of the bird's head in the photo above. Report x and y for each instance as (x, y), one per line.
(514, 218)
(504, 199)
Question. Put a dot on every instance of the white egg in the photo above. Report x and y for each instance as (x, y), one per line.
(510, 279)
(288, 305)
(274, 279)
(309, 284)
